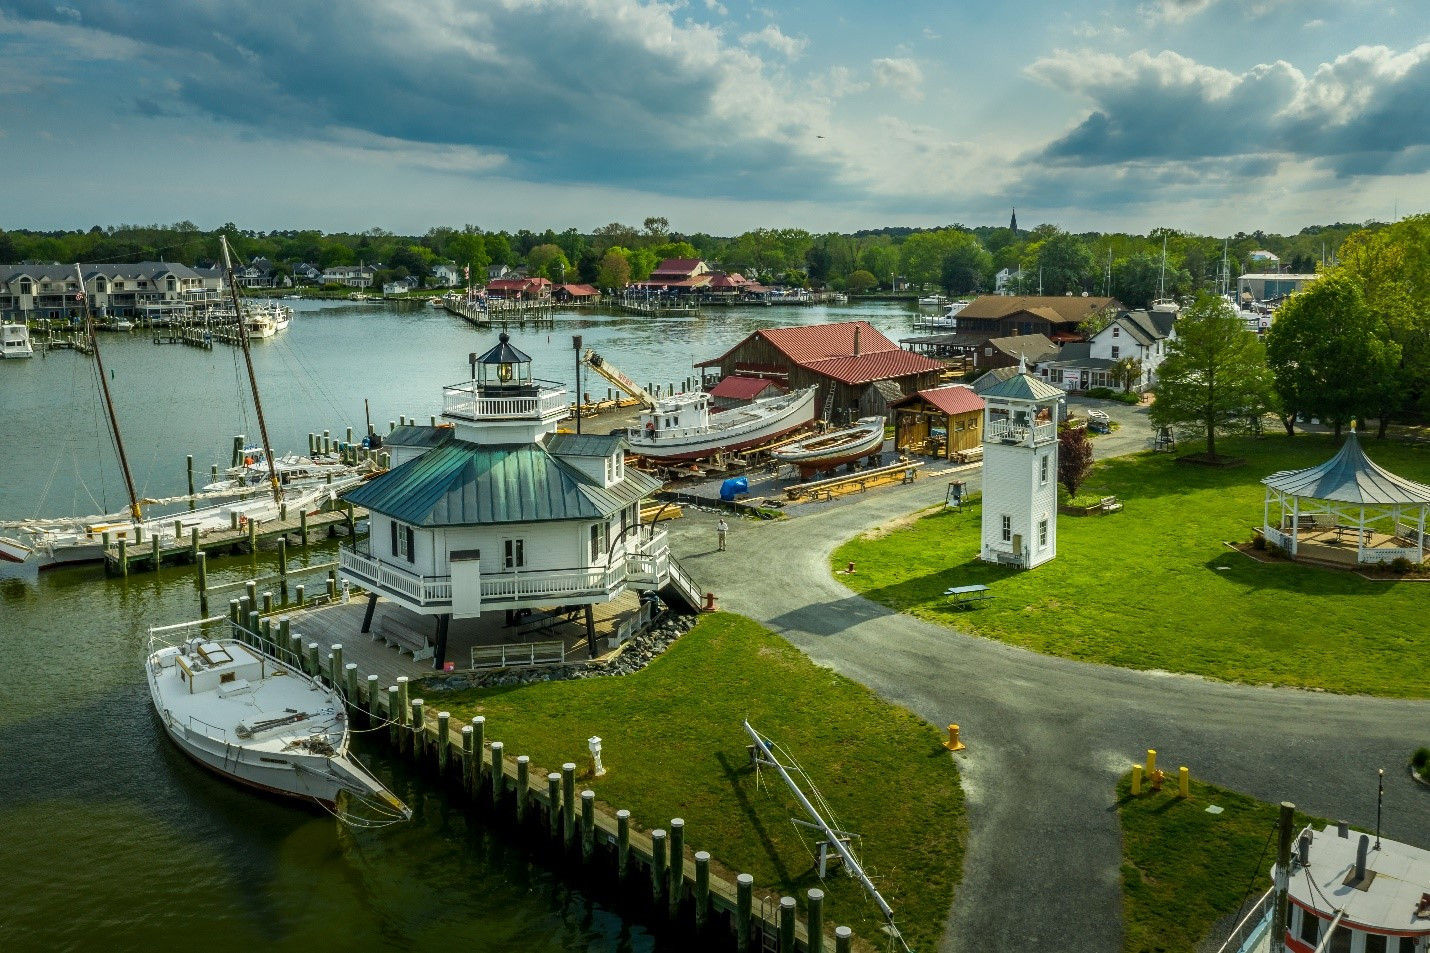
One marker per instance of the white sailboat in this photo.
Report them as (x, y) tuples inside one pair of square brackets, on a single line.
[(823, 452), (242, 710), (681, 427)]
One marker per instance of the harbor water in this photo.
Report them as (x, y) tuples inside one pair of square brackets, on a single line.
[(109, 838)]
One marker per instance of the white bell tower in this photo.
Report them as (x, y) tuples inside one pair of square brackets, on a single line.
[(1020, 471)]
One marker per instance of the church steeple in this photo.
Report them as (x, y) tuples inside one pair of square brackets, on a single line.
[(1013, 225)]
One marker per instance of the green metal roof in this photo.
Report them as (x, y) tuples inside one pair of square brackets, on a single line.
[(1351, 477), (463, 484), (417, 435), (584, 445), (1024, 387)]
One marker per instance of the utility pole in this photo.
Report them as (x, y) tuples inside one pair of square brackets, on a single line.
[(576, 346)]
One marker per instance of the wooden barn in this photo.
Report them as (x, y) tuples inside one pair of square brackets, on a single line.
[(942, 422), (858, 371)]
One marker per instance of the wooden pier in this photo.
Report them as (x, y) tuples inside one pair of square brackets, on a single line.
[(539, 311), (652, 307), (184, 544), (656, 870)]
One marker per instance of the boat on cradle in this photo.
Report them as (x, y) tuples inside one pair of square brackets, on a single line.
[(15, 341), (251, 715), (826, 451), (682, 427)]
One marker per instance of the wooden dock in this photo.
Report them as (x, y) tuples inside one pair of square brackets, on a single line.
[(642, 306), (180, 544), (539, 311)]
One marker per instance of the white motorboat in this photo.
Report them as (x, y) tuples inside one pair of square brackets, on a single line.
[(259, 324), (948, 321), (825, 451), (15, 341), (932, 301), (248, 714), (682, 427)]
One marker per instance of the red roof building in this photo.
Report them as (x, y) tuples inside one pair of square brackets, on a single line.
[(519, 288), (861, 368), (737, 391), (576, 293)]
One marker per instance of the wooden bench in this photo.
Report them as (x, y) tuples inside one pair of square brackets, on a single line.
[(1109, 504), (964, 597), (403, 639)]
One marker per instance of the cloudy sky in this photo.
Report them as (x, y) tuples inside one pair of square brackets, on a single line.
[(1212, 115)]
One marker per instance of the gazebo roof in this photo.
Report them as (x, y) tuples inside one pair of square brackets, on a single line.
[(1350, 477)]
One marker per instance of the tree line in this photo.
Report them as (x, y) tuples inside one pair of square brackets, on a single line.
[(956, 259)]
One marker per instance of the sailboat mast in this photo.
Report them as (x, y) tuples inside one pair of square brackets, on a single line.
[(252, 379), (108, 403)]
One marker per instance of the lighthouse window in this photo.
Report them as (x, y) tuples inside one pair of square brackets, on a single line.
[(1045, 469), (514, 553), (1043, 533), (1007, 529)]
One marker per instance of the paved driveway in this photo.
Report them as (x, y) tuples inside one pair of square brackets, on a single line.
[(1048, 737)]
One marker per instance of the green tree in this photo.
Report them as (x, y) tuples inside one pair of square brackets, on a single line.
[(1332, 356), (1138, 280), (882, 261), (860, 282), (469, 250), (548, 261), (499, 249), (614, 271), (967, 268), (1215, 373), (1061, 262), (1126, 372)]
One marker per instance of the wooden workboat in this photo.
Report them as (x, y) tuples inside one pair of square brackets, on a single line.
[(682, 426), (826, 451), (251, 716)]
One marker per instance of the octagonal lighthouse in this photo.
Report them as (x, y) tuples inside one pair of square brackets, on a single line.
[(493, 509)]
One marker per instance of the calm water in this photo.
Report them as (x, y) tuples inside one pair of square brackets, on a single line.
[(109, 838)]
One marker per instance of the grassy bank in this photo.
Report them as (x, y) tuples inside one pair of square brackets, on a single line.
[(674, 746), (1155, 587), (1184, 869)]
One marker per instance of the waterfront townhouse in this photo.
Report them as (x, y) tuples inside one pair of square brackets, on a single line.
[(51, 290)]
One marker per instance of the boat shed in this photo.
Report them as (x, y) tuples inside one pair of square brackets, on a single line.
[(1056, 317), (857, 369), (943, 421), (1346, 510)]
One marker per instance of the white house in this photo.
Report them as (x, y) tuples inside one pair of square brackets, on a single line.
[(447, 275), (1143, 335), (1020, 471), (495, 511)]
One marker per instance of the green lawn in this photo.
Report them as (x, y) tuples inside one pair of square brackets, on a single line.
[(674, 746), (1184, 869), (1154, 586)]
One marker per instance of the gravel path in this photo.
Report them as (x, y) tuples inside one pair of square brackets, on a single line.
[(1048, 737)]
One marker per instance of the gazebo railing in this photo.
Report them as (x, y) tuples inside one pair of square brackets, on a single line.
[(1276, 537)]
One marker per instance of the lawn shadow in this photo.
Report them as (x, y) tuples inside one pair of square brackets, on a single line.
[(735, 774), (928, 589), (1292, 577)]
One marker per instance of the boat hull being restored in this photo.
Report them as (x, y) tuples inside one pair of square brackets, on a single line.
[(736, 429), (828, 450), (258, 721)]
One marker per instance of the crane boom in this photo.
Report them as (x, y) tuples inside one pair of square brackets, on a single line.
[(601, 366)]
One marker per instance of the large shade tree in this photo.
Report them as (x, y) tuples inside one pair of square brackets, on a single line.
[(1331, 355), (1215, 375)]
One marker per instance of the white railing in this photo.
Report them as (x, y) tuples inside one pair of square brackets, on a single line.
[(465, 400), (1253, 926), (1277, 538), (1406, 531), (423, 590), (552, 583), (1385, 555), (1019, 432), (532, 653)]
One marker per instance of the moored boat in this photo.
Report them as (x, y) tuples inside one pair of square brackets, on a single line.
[(826, 451), (248, 714), (15, 341), (682, 427)]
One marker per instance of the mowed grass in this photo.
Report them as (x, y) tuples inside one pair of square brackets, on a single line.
[(1184, 869), (1154, 586), (674, 745)]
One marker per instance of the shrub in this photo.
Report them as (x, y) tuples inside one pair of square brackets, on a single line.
[(1258, 542), (1421, 759), (1401, 565), (1101, 393)]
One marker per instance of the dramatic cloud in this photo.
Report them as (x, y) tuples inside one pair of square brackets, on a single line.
[(1366, 112), (902, 74)]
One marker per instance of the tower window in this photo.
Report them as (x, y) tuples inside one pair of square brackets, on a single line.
[(1007, 529), (1043, 533), (1045, 469)]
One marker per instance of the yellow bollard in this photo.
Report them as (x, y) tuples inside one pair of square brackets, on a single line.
[(953, 744), (1151, 761), (1184, 781), (1136, 779)]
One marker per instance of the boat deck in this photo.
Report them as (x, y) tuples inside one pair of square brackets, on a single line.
[(341, 623)]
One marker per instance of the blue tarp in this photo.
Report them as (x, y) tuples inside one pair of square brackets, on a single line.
[(734, 487)]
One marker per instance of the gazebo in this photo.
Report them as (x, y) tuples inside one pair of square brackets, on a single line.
[(1347, 505)]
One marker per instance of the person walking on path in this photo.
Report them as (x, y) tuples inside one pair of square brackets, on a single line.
[(721, 528)]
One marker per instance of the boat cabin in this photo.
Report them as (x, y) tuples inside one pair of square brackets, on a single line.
[(676, 415), (227, 668), (1350, 893)]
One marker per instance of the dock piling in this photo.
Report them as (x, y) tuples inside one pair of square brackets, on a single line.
[(373, 701), (233, 610), (553, 801), (677, 863), (787, 912), (523, 785), (124, 557), (313, 668), (194, 550), (744, 904), (154, 543), (657, 864), (350, 682), (298, 596), (623, 844), (444, 739), (588, 823), (394, 713), (568, 801), (702, 887), (419, 729), (283, 568), (498, 772), (469, 758), (843, 940), (303, 526), (267, 602), (479, 745), (201, 580), (815, 920), (335, 665), (190, 460), (250, 588)]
